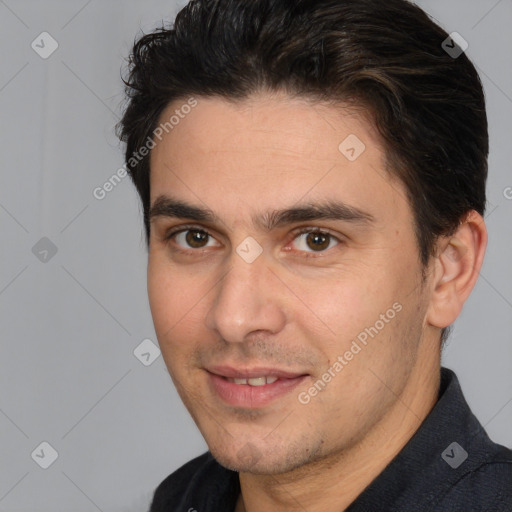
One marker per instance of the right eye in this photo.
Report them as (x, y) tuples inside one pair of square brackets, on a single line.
[(193, 238)]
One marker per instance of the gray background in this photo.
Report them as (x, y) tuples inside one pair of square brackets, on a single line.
[(70, 324)]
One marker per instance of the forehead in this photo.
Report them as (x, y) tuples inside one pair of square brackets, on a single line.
[(266, 121), (268, 150)]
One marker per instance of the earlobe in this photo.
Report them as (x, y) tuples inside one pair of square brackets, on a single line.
[(457, 268)]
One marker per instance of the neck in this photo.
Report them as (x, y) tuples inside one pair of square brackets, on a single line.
[(333, 483)]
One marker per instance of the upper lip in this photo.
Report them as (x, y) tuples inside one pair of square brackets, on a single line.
[(250, 373)]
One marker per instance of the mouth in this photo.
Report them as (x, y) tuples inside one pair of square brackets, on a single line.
[(252, 388), (255, 381)]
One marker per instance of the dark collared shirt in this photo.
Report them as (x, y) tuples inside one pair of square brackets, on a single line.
[(449, 465)]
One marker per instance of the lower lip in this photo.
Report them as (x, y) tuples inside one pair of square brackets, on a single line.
[(251, 397)]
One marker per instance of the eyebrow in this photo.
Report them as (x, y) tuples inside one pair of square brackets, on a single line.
[(165, 206)]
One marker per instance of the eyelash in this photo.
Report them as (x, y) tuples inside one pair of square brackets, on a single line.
[(314, 254), (300, 231)]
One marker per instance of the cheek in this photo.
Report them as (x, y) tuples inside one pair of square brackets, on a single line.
[(162, 296), (341, 307), (365, 311), (179, 301), (171, 300)]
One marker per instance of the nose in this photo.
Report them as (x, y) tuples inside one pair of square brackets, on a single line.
[(246, 300)]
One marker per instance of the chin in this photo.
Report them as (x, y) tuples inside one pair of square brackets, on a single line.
[(266, 460)]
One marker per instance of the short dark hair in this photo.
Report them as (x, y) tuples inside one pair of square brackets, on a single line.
[(384, 56)]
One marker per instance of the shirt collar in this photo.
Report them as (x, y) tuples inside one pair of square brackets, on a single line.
[(425, 468)]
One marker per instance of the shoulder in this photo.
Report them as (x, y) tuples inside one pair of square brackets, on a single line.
[(180, 489), (487, 487)]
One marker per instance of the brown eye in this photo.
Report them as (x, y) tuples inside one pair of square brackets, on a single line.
[(194, 239), (315, 241), (318, 241)]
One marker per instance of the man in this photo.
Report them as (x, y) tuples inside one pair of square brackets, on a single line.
[(312, 175)]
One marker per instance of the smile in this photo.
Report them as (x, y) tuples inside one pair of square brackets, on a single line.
[(252, 389), (255, 381)]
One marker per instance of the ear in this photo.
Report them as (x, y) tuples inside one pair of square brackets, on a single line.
[(456, 269)]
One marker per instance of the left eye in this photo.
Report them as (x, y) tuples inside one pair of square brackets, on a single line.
[(315, 241)]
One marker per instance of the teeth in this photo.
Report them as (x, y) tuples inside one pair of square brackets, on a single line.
[(256, 381)]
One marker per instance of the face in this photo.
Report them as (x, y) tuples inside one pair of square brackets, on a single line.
[(283, 276)]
